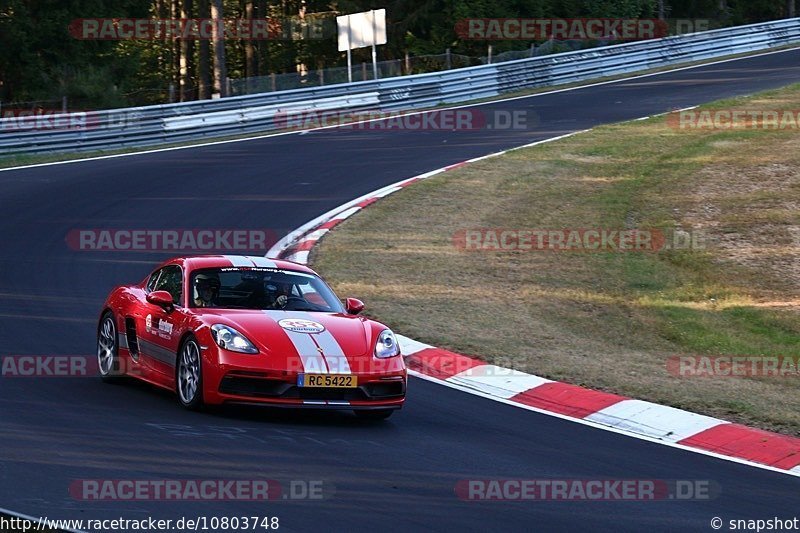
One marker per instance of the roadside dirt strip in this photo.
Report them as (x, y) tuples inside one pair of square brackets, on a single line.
[(635, 417)]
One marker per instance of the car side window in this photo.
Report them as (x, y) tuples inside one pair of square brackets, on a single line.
[(151, 283), (170, 280)]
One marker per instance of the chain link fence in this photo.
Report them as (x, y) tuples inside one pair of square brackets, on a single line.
[(396, 67)]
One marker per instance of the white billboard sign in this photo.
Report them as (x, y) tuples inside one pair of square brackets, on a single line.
[(361, 30)]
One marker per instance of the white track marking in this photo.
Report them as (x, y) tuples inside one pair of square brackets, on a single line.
[(656, 420), (497, 381)]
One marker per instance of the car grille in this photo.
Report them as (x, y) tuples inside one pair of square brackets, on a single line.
[(385, 389), (271, 388), (256, 387)]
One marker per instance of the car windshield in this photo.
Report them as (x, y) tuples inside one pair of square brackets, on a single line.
[(261, 288)]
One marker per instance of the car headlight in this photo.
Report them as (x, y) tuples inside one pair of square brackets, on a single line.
[(230, 339), (387, 345)]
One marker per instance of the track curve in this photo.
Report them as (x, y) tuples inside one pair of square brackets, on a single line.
[(401, 473)]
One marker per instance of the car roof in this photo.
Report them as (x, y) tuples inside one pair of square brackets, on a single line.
[(191, 263)]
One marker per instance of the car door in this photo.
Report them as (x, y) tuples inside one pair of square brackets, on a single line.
[(161, 329)]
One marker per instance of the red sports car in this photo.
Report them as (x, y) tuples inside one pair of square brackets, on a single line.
[(236, 329)]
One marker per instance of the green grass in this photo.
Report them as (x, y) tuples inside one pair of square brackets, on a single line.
[(608, 320)]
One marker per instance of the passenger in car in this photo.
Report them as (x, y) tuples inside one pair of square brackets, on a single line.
[(206, 290)]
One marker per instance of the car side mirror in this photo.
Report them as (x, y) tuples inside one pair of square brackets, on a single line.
[(161, 299), (354, 306)]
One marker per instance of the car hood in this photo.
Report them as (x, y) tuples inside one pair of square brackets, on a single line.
[(300, 333)]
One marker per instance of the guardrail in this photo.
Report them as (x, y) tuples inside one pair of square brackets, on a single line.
[(191, 121)]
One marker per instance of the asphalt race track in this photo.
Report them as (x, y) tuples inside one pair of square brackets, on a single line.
[(398, 475)]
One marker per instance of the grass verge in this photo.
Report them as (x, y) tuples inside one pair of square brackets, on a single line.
[(606, 320)]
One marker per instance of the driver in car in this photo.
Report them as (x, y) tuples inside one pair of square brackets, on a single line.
[(206, 290), (278, 293)]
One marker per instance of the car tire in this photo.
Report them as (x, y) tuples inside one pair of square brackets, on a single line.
[(108, 349), (189, 375), (374, 414)]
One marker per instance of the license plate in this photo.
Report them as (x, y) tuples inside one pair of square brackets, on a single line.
[(327, 381)]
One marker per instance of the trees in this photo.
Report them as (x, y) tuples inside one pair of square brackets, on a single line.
[(204, 56), (187, 56), (41, 61), (218, 45)]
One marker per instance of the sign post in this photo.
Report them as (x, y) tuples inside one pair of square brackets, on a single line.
[(374, 37), (349, 53)]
